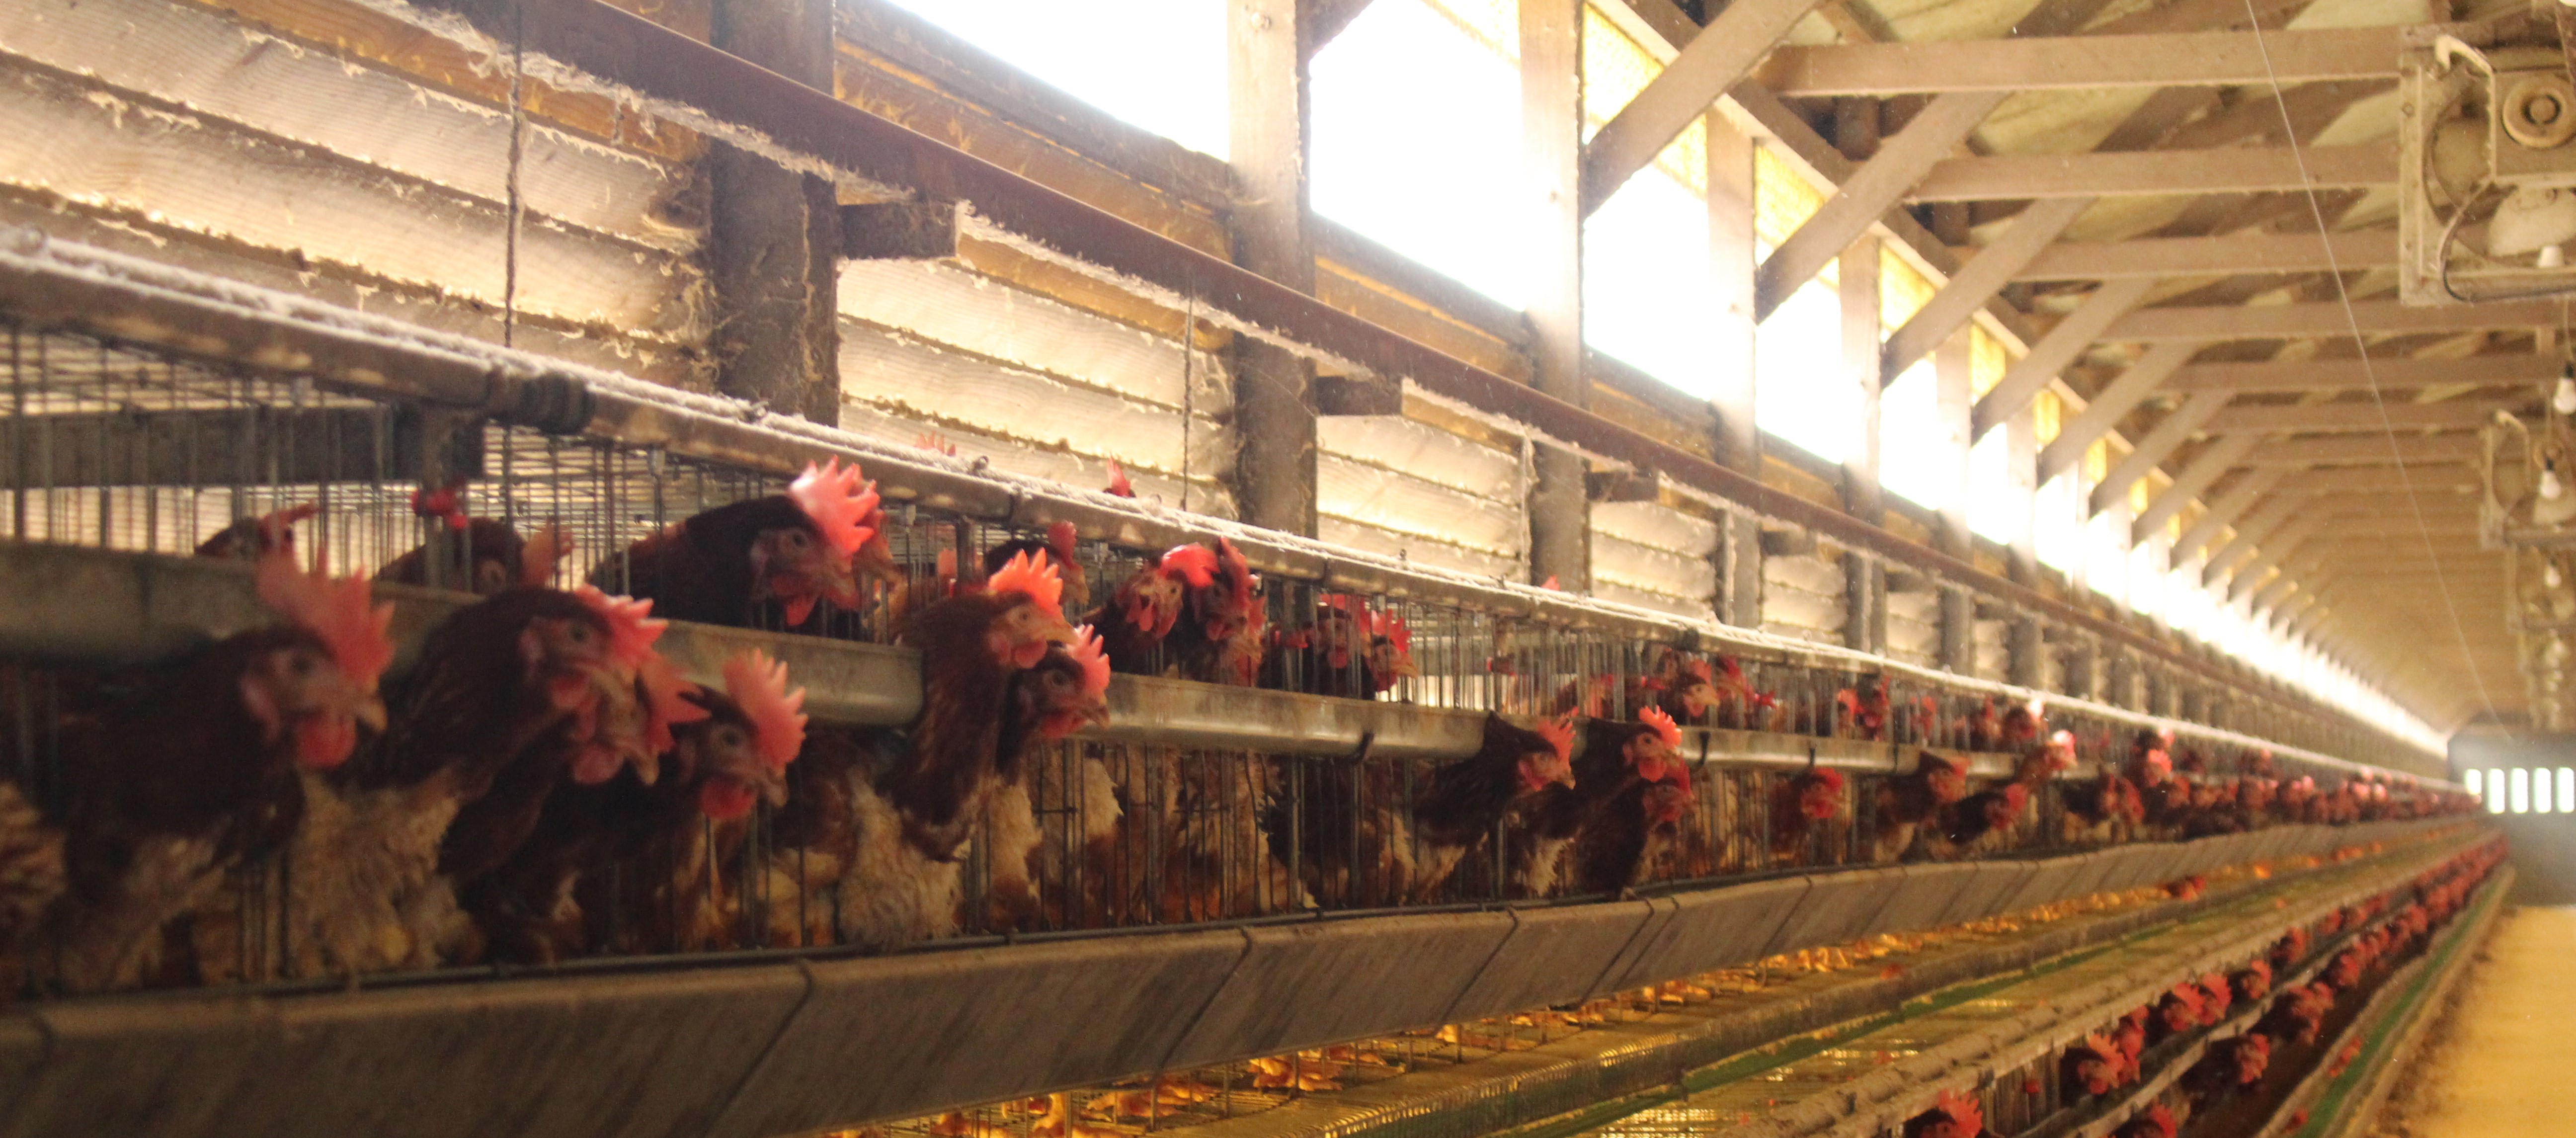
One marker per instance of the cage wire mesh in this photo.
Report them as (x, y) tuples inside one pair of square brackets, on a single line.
[(110, 447)]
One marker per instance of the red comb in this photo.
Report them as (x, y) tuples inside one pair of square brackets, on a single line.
[(339, 612), (666, 705), (631, 627), (2016, 797), (1025, 573), (1095, 662), (759, 685), (1831, 779), (441, 504), (1966, 1116), (1060, 538), (1394, 629), (538, 559), (1559, 733), (1118, 483), (839, 504), (1194, 564), (1700, 669), (1664, 726)]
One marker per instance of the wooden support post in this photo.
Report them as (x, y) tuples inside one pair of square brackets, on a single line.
[(1551, 33), (1954, 396), (1864, 579), (1738, 442), (1274, 389), (773, 235), (2026, 654)]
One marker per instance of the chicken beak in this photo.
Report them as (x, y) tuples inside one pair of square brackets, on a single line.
[(371, 711)]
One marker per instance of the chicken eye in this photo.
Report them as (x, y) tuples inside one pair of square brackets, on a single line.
[(797, 539), (730, 737)]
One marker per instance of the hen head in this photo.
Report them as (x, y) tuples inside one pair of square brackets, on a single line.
[(1151, 600), (1667, 802), (297, 690), (1553, 764), (1953, 1115), (752, 732), (1656, 753), (815, 555), (1390, 651), (2097, 1064), (321, 684), (1032, 617), (1820, 794), (2006, 807), (1948, 781), (1232, 606), (1696, 686), (1068, 688)]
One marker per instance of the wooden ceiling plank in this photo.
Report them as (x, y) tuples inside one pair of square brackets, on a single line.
[(2092, 175), (2360, 416), (2197, 476), (2222, 513), (2297, 321), (2158, 444), (2349, 375), (2024, 380), (1715, 59), (2230, 255), (2363, 450), (1872, 190), (2183, 59), (1978, 281), (2111, 404)]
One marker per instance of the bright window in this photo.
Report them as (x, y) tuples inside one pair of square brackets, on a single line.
[(1801, 391), (2057, 523), (1996, 510), (1915, 456), (1646, 292), (1159, 64)]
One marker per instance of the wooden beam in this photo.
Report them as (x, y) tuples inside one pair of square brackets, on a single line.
[(773, 235), (1738, 441), (1551, 39), (2293, 321), (2430, 478), (1872, 190), (1318, 21), (1979, 280), (1714, 60), (1274, 389), (2343, 375), (2280, 546), (1858, 277), (2364, 415), (2112, 404), (2188, 59), (2247, 530), (2028, 376), (2365, 451), (2091, 175), (2196, 479), (2232, 255), (2253, 533), (2156, 446)]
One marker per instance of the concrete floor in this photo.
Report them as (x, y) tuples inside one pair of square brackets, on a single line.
[(2503, 1063)]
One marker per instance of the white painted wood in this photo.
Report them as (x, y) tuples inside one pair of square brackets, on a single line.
[(1657, 526), (1376, 496), (2077, 62), (1647, 599), (1418, 550), (1423, 451), (1994, 657), (192, 56), (1085, 472), (920, 381), (1655, 570), (101, 148), (1814, 574), (929, 300)]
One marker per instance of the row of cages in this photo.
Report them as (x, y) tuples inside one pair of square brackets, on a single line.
[(112, 448), (2227, 1045)]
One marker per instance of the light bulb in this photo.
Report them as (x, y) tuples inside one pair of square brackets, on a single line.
[(2563, 400), (2551, 256), (2550, 575), (2549, 485)]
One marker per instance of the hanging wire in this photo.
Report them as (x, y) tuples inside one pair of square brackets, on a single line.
[(2369, 371)]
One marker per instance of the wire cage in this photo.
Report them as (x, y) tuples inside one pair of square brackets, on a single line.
[(114, 447)]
